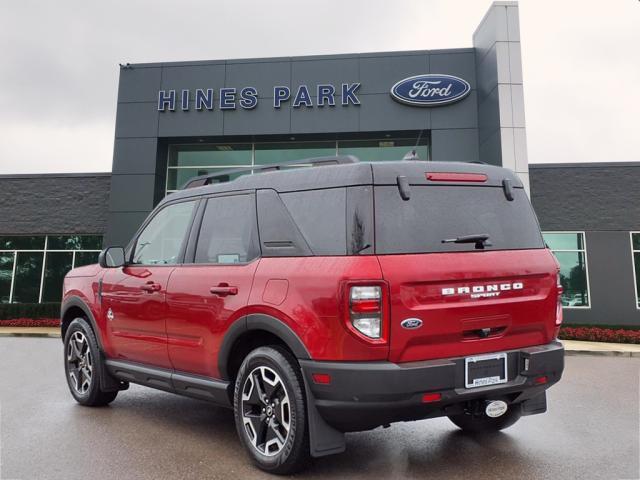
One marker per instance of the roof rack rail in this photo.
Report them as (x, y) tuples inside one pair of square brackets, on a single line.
[(223, 176)]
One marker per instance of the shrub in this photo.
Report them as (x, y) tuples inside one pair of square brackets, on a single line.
[(10, 311), (29, 322), (599, 334)]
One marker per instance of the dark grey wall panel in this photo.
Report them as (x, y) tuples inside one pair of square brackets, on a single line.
[(380, 73), (199, 76), (613, 300), (139, 84), (461, 65), (487, 72), (312, 72), (379, 112), (489, 117), (137, 120), (191, 123), (261, 75), (132, 192), (325, 119), (135, 155), (454, 145), (65, 203), (490, 151), (127, 224), (587, 196), (462, 114), (263, 119)]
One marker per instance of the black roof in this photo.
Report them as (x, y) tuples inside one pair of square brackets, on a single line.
[(350, 174)]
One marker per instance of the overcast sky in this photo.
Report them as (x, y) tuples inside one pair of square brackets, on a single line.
[(59, 64)]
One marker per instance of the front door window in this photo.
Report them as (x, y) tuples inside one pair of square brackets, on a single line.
[(161, 240)]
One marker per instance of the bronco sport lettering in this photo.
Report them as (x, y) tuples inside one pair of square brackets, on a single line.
[(477, 291)]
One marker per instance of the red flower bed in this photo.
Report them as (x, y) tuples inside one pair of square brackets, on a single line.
[(598, 334), (29, 322)]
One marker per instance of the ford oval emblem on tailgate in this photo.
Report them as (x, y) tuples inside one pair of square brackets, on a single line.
[(411, 323)]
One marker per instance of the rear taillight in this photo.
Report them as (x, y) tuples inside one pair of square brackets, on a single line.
[(559, 305), (366, 311)]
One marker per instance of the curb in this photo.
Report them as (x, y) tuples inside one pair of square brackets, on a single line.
[(601, 353), (32, 335)]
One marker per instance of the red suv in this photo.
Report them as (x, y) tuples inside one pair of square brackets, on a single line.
[(318, 301)]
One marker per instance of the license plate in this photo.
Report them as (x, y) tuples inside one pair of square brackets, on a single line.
[(485, 370)]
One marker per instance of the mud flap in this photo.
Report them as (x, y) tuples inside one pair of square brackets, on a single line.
[(108, 383), (535, 405), (323, 438)]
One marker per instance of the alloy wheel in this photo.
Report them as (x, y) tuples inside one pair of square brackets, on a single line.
[(266, 411), (79, 363)]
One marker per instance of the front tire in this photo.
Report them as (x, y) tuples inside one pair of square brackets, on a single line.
[(480, 422), (270, 411), (82, 365)]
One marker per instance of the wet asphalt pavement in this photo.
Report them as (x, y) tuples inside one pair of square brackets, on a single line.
[(590, 431)]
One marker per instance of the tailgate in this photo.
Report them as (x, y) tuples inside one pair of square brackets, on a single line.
[(469, 302)]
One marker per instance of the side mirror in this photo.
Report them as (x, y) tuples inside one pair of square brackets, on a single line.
[(111, 257)]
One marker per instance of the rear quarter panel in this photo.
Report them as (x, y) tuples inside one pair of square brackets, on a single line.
[(306, 294)]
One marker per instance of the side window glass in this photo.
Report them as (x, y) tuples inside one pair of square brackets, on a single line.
[(321, 217), (161, 240), (228, 233)]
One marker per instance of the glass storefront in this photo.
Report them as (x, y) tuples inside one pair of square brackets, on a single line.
[(32, 268), (188, 161), (569, 249), (635, 249)]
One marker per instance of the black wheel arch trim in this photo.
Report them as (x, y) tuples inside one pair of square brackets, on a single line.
[(258, 321), (75, 301)]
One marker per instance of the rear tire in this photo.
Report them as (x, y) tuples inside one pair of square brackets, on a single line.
[(82, 365), (481, 423), (270, 411)]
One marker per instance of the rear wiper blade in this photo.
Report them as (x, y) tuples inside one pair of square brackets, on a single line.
[(481, 240)]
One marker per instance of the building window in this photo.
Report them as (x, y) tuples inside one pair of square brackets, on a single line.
[(379, 150), (32, 268), (189, 161), (635, 249), (269, 153), (570, 250)]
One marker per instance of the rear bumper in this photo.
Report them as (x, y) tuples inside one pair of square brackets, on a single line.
[(364, 395)]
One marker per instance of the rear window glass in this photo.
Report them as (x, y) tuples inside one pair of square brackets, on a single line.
[(434, 213)]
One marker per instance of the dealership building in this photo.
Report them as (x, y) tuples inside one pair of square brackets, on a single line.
[(179, 120)]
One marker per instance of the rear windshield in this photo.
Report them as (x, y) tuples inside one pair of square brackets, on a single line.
[(435, 212)]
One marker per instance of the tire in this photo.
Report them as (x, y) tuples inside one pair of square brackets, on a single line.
[(82, 365), (482, 423), (268, 398)]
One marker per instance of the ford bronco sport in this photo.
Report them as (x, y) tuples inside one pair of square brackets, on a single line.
[(323, 300)]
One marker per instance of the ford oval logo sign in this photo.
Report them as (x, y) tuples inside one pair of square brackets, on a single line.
[(411, 323), (430, 90)]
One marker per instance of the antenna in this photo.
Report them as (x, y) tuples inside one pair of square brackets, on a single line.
[(413, 153)]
